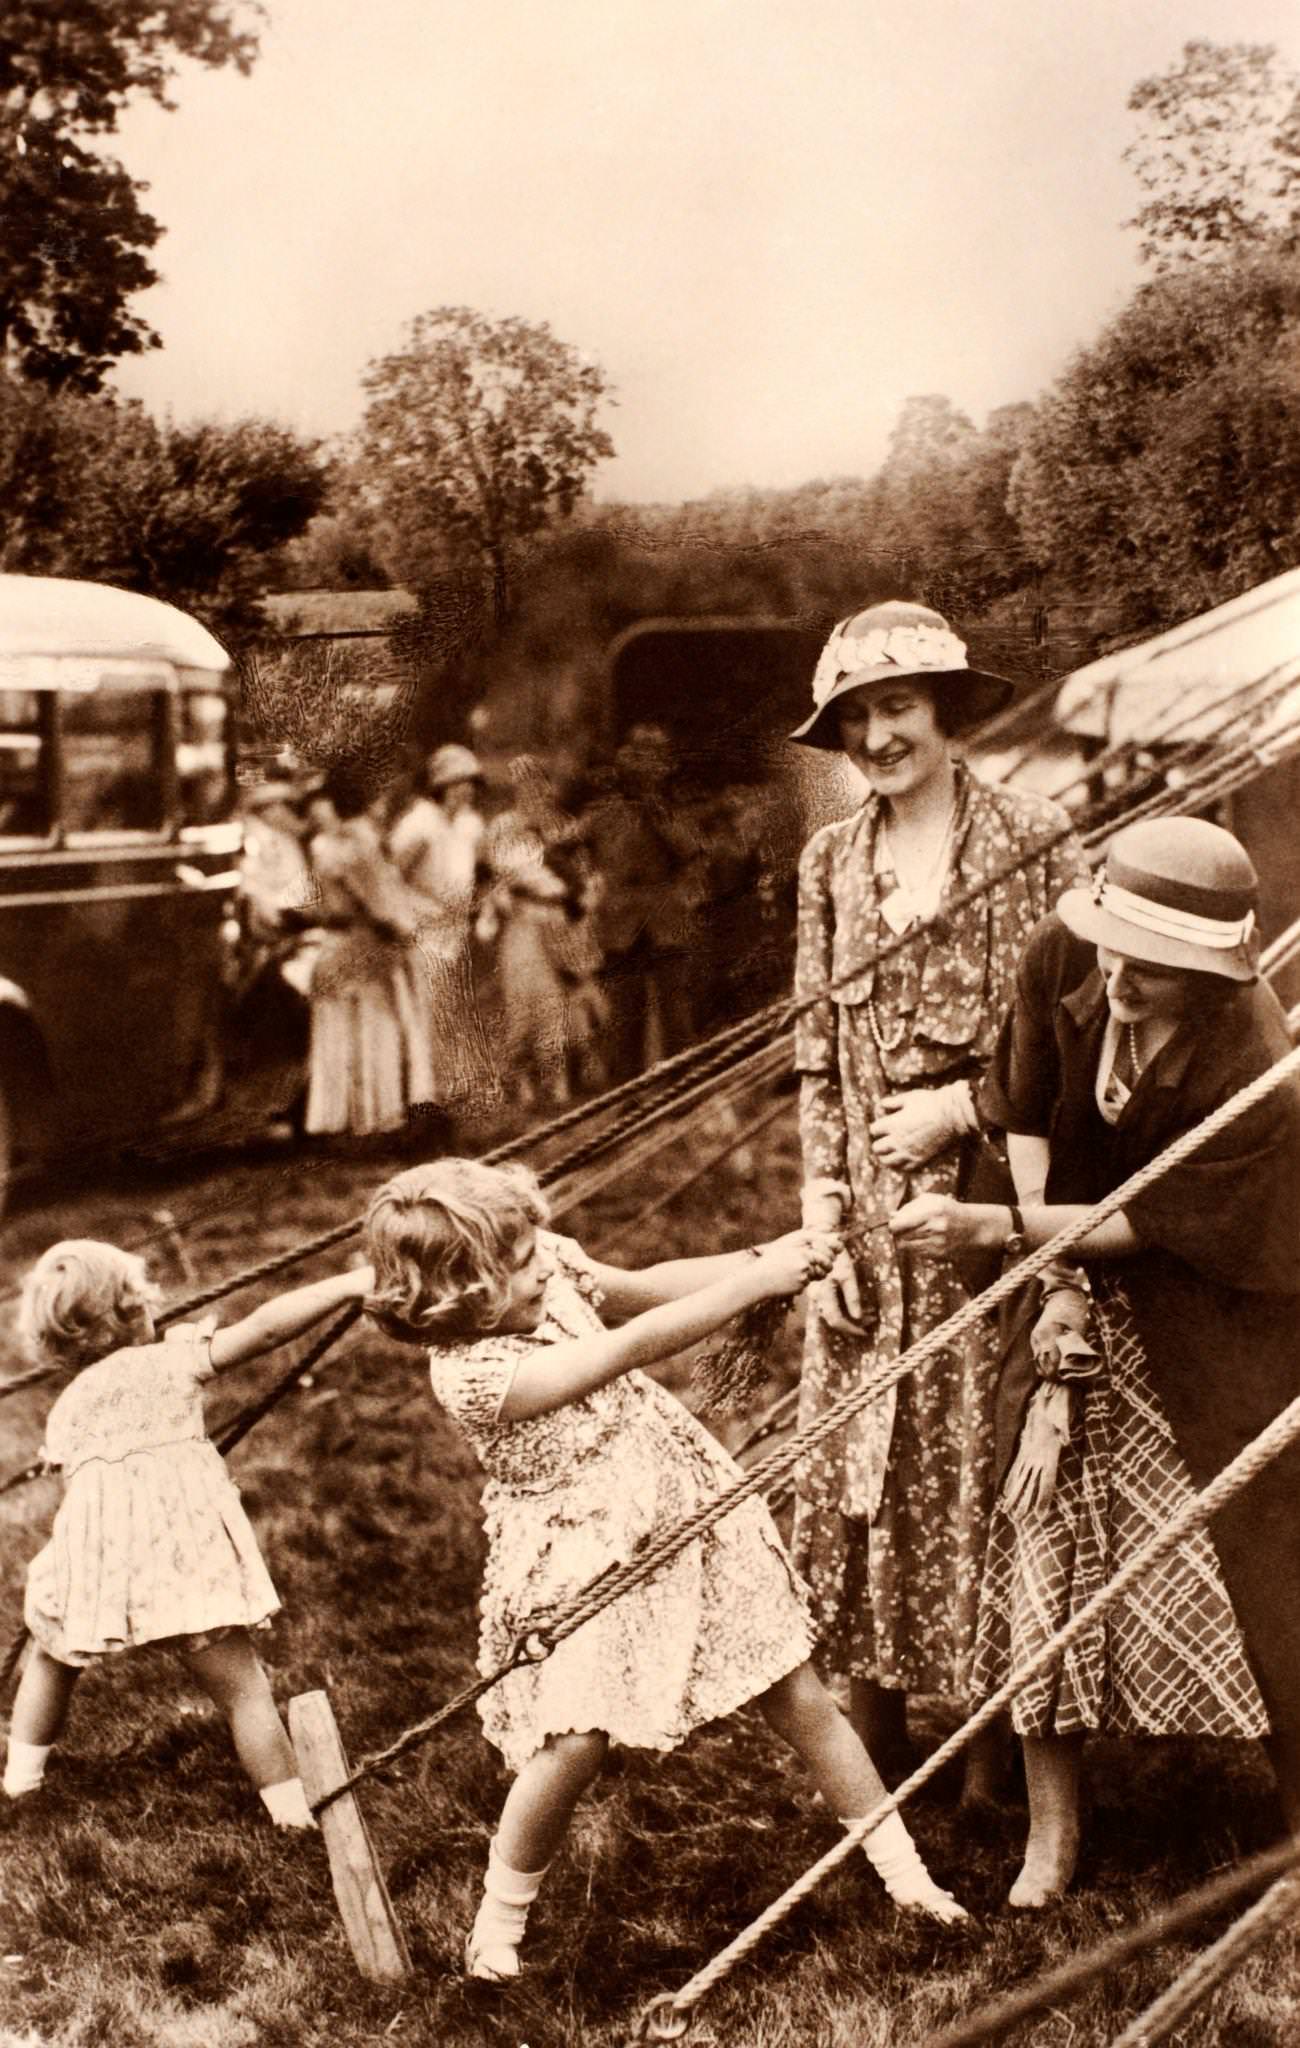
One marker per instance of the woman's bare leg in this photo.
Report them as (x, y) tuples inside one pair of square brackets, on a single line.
[(1052, 1765)]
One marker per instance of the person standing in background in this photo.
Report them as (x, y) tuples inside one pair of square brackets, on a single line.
[(370, 1061), (649, 863), (435, 843)]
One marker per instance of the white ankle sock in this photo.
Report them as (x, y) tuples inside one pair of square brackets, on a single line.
[(25, 1766), (492, 1948), (894, 1855), (287, 1804)]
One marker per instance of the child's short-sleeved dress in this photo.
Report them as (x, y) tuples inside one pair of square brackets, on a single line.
[(573, 1492), (150, 1540)]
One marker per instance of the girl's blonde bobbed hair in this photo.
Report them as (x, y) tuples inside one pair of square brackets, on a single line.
[(81, 1300), (441, 1239)]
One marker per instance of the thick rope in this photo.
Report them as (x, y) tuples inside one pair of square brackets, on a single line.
[(715, 1053), (1057, 1986), (702, 1060), (1277, 1909), (665, 2018), (541, 1638), (753, 1129), (238, 1428)]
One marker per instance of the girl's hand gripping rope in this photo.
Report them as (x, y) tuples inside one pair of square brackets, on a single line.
[(729, 1378)]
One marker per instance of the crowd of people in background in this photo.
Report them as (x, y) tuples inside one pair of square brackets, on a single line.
[(459, 943)]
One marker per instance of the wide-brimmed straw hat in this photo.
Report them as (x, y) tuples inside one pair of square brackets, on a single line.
[(887, 643), (1178, 892), (453, 763)]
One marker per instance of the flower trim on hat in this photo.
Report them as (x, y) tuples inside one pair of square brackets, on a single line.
[(907, 648)]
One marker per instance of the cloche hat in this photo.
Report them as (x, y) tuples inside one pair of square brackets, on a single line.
[(1178, 892), (887, 642), (453, 763)]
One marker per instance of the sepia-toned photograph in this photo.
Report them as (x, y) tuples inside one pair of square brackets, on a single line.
[(649, 1024)]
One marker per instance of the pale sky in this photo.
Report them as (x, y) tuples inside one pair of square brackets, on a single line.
[(769, 220)]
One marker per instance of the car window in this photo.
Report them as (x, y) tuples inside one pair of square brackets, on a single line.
[(113, 761), (202, 762), (25, 811)]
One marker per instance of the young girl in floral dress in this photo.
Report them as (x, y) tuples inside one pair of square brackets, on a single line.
[(150, 1544), (587, 1461)]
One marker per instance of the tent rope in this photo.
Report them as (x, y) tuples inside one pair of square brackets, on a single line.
[(538, 1639), (1279, 1907), (990, 2022), (666, 2018)]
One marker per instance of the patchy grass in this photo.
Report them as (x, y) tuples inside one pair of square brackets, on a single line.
[(147, 1903)]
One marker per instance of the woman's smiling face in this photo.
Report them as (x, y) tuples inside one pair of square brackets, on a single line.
[(891, 733), (1139, 992)]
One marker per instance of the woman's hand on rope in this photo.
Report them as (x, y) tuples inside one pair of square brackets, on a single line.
[(914, 1126), (787, 1264), (935, 1226)]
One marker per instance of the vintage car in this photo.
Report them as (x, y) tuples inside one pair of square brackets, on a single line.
[(118, 866)]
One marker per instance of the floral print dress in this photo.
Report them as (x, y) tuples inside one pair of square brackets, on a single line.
[(573, 1492), (151, 1541), (892, 1516)]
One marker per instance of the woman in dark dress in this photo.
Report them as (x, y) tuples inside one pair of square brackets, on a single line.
[(1138, 1012)]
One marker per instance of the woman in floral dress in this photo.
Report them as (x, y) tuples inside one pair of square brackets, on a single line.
[(892, 1515)]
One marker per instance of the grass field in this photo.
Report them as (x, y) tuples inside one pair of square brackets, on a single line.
[(147, 1903)]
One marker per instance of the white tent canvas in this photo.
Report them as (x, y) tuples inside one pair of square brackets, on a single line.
[(1178, 681)]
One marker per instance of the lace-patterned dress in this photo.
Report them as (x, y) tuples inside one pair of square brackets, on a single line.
[(573, 1492), (150, 1541)]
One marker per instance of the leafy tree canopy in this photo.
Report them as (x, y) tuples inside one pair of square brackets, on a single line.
[(75, 233), (193, 514), (1165, 463), (477, 435), (1218, 155)]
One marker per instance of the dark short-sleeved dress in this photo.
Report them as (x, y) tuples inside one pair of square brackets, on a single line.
[(892, 1515), (1199, 1331), (573, 1492)]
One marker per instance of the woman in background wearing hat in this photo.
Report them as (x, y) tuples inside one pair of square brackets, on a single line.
[(892, 1515), (1140, 1372), (435, 844)]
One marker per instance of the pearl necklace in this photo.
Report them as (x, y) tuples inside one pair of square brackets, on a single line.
[(1134, 1061), (889, 1042)]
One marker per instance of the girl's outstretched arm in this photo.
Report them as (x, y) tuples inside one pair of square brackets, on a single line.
[(631, 1292), (559, 1373), (287, 1316)]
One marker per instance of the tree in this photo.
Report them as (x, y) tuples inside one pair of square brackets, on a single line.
[(75, 233), (1219, 153), (1164, 466), (195, 514), (477, 435)]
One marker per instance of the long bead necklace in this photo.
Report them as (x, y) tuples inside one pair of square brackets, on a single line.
[(1134, 1061)]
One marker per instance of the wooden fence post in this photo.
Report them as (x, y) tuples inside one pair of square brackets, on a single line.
[(368, 1917)]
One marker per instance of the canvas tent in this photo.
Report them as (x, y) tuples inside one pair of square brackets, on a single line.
[(1173, 688)]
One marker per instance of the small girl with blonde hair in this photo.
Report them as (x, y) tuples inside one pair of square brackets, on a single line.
[(588, 1460), (150, 1544)]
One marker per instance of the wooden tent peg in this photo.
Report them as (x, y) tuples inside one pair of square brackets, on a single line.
[(368, 1918)]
